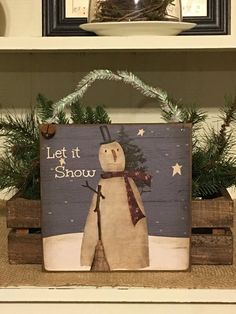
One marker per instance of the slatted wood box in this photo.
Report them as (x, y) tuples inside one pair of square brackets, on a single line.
[(212, 238), (24, 238)]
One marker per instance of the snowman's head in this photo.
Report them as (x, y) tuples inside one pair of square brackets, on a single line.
[(112, 157)]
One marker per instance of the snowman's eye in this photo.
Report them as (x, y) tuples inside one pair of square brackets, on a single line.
[(105, 150), (117, 149)]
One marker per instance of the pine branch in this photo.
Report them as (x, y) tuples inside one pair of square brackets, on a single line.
[(61, 118), (44, 108), (21, 153), (101, 116), (19, 174), (82, 115), (192, 114), (214, 164), (89, 116), (15, 126), (228, 111), (77, 113), (228, 116)]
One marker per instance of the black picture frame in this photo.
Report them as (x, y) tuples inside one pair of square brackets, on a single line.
[(217, 21), (55, 23)]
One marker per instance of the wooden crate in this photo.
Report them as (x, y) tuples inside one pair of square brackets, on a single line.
[(212, 247), (212, 239), (22, 213), (24, 247), (214, 213), (24, 239)]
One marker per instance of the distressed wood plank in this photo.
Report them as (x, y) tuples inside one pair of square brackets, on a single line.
[(24, 249), (22, 213), (218, 212), (211, 249)]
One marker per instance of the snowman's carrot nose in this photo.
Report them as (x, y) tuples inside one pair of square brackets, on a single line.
[(114, 155)]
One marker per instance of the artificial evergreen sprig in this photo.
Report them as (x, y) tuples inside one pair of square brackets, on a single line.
[(228, 117), (214, 160), (122, 76), (83, 115), (19, 162)]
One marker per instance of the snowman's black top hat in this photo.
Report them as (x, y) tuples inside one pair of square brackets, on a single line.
[(106, 135)]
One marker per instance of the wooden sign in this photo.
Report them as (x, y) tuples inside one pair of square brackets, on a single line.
[(116, 197)]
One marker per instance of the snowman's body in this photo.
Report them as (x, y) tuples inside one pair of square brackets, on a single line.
[(125, 244)]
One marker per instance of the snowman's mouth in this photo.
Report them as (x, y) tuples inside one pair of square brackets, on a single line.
[(114, 155)]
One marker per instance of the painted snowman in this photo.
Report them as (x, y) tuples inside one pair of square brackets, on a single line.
[(124, 231)]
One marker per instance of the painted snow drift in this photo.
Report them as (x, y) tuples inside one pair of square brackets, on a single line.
[(116, 197)]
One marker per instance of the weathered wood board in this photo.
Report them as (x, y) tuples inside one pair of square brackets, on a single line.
[(140, 216), (24, 248), (212, 249), (23, 213), (213, 213)]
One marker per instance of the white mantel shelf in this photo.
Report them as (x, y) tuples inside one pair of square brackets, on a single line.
[(141, 43), (116, 295)]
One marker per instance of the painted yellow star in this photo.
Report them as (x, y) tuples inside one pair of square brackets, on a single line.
[(141, 132), (176, 169), (62, 161)]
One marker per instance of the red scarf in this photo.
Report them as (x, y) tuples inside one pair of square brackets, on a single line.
[(135, 211)]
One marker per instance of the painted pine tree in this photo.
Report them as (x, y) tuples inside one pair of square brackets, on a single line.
[(134, 157)]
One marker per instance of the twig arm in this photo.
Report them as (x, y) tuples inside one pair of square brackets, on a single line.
[(92, 189)]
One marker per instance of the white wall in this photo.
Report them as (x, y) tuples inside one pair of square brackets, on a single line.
[(20, 17)]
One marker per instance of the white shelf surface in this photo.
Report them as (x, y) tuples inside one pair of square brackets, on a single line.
[(90, 43), (116, 295)]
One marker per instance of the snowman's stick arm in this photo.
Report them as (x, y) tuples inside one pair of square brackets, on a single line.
[(97, 210), (89, 187)]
